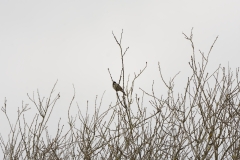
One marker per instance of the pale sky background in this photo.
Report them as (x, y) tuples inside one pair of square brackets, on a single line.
[(42, 41)]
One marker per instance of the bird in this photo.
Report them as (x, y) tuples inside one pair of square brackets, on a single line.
[(117, 87)]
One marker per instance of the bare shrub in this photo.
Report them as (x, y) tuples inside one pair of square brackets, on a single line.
[(201, 123)]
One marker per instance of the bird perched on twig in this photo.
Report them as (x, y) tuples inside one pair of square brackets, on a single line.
[(117, 87)]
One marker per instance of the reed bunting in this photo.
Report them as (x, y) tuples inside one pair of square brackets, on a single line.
[(117, 87)]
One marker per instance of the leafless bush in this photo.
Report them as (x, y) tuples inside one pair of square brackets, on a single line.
[(201, 123)]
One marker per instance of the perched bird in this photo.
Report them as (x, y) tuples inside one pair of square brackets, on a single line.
[(117, 87)]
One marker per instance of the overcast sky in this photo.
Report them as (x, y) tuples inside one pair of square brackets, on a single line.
[(71, 41)]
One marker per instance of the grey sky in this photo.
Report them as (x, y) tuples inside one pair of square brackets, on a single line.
[(42, 41)]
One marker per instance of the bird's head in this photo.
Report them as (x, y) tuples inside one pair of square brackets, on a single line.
[(114, 82)]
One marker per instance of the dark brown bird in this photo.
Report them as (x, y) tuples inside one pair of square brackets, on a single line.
[(117, 87)]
